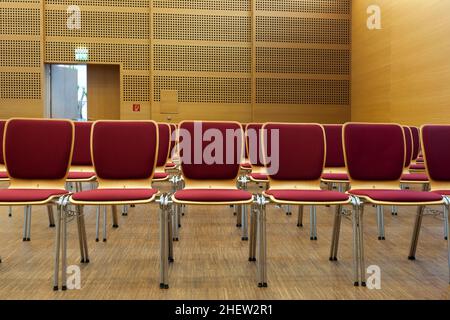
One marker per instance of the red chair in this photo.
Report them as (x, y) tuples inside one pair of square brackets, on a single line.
[(171, 165), (211, 181), (297, 180), (434, 141), (164, 147), (417, 164), (334, 171), (375, 159), (3, 173), (121, 180), (37, 156)]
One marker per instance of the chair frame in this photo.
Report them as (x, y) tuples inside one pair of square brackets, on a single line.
[(361, 201), (258, 231), (112, 184), (210, 183)]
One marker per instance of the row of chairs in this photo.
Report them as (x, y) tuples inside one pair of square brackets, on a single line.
[(125, 158)]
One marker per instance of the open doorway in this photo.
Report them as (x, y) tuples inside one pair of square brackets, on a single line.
[(83, 92), (67, 96)]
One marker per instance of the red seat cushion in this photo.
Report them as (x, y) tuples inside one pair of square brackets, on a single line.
[(29, 195), (246, 165), (213, 195), (417, 166), (397, 195), (160, 176), (75, 175), (414, 177), (442, 192), (259, 176), (308, 195), (4, 175), (114, 195), (170, 165), (419, 159), (335, 176)]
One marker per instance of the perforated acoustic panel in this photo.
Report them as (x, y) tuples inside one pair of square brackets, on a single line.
[(232, 5), (118, 25), (302, 60), (202, 58), (103, 3), (20, 57), (20, 85), (17, 53), (201, 27), (136, 88), (20, 21), (302, 30), (205, 89), (307, 6), (303, 91)]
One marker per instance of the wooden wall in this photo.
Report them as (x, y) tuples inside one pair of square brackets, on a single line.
[(401, 73), (245, 60)]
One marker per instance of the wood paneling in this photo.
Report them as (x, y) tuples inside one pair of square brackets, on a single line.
[(401, 73), (240, 60), (103, 83)]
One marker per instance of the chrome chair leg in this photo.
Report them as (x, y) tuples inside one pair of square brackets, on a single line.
[(356, 269), (57, 249), (124, 210), (362, 265), (313, 223), (10, 211), (416, 232), (288, 210), (300, 217), (80, 235), (176, 221), (244, 223), (29, 224), (447, 224), (64, 250), (163, 231), (394, 210), (105, 217), (25, 223), (238, 216), (171, 232), (83, 233), (380, 219), (115, 217), (262, 244), (97, 224), (252, 242), (51, 218), (335, 235)]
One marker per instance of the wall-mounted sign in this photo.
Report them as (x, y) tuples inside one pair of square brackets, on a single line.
[(136, 107), (81, 54)]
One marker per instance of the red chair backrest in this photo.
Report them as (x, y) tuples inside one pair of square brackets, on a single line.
[(374, 152), (82, 144), (124, 150), (435, 143), (38, 149), (163, 144), (408, 145), (416, 142), (2, 135), (173, 138), (253, 143), (334, 152), (195, 166), (301, 150)]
